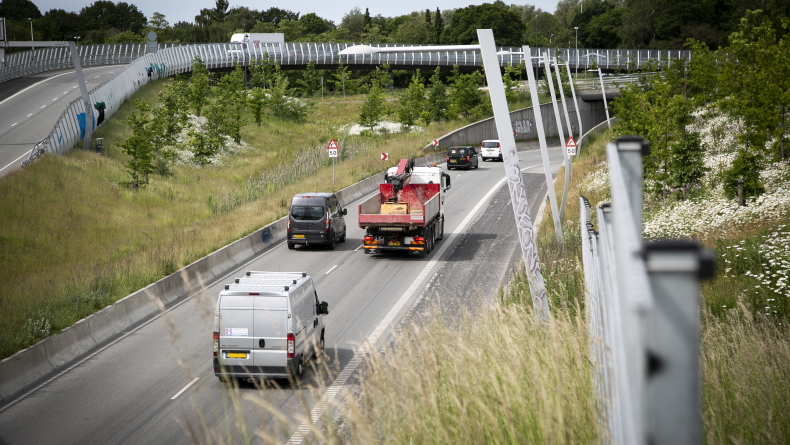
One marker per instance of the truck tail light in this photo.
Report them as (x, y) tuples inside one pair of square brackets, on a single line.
[(290, 346), (216, 343), (419, 238)]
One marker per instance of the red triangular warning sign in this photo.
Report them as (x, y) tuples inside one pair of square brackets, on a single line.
[(571, 142), (332, 144)]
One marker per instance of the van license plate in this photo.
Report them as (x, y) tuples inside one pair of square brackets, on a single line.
[(298, 236), (237, 355), (453, 161)]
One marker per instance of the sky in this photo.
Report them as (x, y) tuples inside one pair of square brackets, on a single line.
[(186, 10)]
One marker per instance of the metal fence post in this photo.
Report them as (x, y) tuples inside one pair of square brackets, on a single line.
[(673, 414)]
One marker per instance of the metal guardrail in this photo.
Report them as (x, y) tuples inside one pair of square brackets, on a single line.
[(300, 53), (642, 305)]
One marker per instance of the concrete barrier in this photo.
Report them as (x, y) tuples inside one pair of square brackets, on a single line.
[(108, 323), (23, 369), (74, 341), (31, 365)]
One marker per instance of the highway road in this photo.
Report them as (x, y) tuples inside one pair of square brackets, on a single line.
[(156, 383), (30, 106)]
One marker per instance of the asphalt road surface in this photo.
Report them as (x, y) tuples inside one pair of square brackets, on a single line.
[(31, 105), (156, 384)]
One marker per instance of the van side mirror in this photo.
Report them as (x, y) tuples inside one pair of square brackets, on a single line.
[(323, 308), (345, 212)]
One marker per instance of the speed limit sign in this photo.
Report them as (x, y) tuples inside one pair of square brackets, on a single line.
[(332, 148)]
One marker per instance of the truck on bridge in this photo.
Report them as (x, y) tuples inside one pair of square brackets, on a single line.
[(407, 214)]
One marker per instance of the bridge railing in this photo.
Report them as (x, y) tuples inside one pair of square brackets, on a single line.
[(642, 305), (300, 53)]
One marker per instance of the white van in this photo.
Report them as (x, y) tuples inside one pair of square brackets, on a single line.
[(267, 325), (491, 149)]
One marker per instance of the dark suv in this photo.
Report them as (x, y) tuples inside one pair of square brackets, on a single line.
[(316, 218), (462, 157)]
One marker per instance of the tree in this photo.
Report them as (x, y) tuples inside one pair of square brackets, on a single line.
[(220, 11), (200, 89), (374, 107), (508, 27), (313, 24), (138, 146), (437, 100), (232, 99), (263, 71), (103, 15), (310, 81), (19, 10), (158, 21), (412, 102), (255, 102), (438, 25), (466, 99)]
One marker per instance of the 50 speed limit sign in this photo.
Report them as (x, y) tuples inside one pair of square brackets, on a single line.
[(332, 148)]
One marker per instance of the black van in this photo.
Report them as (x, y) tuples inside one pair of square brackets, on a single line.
[(316, 218), (458, 157)]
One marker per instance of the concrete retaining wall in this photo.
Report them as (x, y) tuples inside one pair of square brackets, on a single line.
[(30, 366), (523, 123)]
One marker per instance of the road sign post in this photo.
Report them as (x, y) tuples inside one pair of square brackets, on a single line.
[(332, 149)]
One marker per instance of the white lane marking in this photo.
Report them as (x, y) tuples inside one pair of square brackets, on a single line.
[(359, 247), (29, 114), (53, 100), (185, 388), (27, 153), (14, 123), (43, 106), (330, 270), (97, 77), (334, 389)]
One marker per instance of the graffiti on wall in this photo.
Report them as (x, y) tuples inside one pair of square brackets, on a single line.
[(523, 126)]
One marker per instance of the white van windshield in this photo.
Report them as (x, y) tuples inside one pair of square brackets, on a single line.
[(490, 144), (307, 213)]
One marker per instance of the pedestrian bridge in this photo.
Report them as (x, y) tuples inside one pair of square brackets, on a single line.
[(296, 55)]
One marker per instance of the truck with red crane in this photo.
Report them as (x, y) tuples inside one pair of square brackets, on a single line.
[(407, 214)]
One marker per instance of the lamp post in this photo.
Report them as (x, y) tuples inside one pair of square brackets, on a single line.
[(603, 93), (77, 39), (576, 28), (536, 32), (31, 33)]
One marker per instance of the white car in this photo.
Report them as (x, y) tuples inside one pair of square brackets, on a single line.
[(490, 149)]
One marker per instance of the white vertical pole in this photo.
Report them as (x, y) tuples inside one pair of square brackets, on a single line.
[(86, 100), (575, 104), (518, 194), (558, 118), (544, 151)]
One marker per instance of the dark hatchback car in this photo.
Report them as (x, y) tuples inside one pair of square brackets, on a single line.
[(316, 218), (462, 157)]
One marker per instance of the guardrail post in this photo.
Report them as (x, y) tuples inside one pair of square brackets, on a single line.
[(673, 411)]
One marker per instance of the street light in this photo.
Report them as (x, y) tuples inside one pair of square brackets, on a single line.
[(31, 33), (77, 39), (577, 49), (551, 37), (536, 32), (603, 93)]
